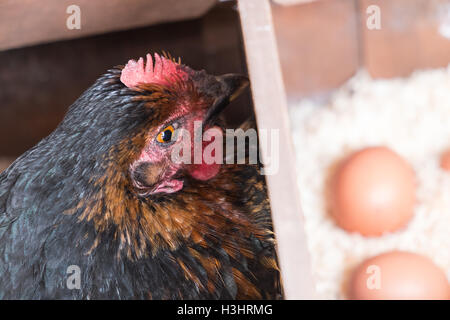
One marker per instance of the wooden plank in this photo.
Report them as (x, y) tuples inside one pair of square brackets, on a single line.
[(318, 45), (291, 2), (271, 114), (412, 36), (27, 22)]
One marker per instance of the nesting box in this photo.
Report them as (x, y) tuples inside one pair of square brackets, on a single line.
[(307, 50)]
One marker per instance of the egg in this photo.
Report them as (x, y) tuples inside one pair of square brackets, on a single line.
[(398, 275), (372, 192), (445, 160)]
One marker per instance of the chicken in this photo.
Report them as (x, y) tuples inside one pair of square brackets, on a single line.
[(103, 195)]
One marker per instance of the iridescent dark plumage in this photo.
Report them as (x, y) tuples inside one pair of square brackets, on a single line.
[(69, 201)]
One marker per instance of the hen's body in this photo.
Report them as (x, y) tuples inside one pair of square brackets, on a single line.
[(68, 201)]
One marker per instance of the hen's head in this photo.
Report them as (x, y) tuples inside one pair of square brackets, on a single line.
[(177, 102)]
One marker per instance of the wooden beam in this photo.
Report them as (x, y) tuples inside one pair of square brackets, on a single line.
[(305, 33), (412, 36), (272, 114), (28, 22)]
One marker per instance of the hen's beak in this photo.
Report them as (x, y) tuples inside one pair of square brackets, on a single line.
[(232, 85)]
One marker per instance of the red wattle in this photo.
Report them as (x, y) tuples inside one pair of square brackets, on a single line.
[(204, 171)]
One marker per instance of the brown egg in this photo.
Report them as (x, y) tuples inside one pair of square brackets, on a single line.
[(399, 275), (445, 160), (372, 192)]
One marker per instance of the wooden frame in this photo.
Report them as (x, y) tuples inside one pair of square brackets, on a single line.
[(272, 114), (286, 60), (28, 22)]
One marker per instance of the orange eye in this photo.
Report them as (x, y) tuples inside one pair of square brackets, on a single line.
[(166, 135)]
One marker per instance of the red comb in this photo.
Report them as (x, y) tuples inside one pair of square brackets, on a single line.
[(161, 72)]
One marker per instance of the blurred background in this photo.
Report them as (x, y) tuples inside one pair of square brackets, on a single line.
[(323, 43)]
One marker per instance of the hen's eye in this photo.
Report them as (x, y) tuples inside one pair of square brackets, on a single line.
[(165, 136)]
